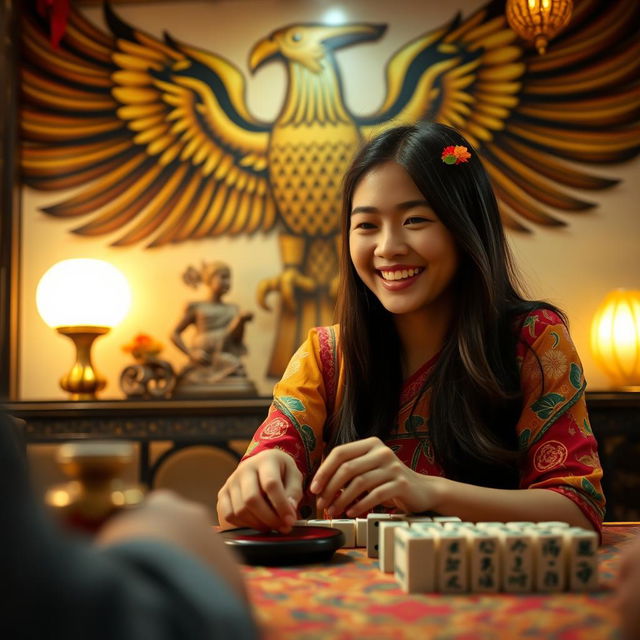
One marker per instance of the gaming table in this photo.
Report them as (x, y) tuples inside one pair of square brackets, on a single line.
[(348, 598)]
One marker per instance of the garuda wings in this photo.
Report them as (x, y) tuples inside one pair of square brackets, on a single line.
[(155, 138)]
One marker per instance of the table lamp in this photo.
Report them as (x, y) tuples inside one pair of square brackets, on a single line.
[(615, 338), (83, 299)]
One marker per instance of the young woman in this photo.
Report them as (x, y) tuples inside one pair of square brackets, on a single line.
[(442, 388)]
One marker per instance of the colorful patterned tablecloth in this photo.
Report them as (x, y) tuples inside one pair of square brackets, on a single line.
[(349, 598)]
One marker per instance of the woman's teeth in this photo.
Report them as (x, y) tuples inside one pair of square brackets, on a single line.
[(400, 274)]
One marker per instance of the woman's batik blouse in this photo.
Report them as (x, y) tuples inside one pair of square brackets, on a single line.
[(560, 451)]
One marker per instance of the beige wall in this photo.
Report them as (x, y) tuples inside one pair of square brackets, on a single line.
[(573, 267)]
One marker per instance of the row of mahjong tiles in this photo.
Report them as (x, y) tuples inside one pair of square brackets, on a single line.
[(465, 556)]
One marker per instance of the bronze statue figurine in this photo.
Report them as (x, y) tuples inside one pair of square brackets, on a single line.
[(215, 367)]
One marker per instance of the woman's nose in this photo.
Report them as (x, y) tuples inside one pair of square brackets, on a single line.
[(391, 242)]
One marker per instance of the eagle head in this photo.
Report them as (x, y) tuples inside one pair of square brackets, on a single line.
[(309, 44)]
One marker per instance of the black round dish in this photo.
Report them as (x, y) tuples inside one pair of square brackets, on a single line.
[(303, 545)]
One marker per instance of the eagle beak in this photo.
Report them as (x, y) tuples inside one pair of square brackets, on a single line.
[(262, 52), (338, 36)]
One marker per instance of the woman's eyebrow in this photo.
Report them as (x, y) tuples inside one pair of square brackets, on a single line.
[(401, 206), (411, 204), (364, 210)]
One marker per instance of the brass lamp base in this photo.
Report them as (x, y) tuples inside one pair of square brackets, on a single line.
[(83, 381)]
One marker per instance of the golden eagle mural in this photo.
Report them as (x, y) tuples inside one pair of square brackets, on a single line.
[(158, 143)]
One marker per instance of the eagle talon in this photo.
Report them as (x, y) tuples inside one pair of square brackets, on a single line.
[(288, 283)]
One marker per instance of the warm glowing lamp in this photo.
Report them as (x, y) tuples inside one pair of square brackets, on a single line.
[(83, 299), (615, 337), (538, 20)]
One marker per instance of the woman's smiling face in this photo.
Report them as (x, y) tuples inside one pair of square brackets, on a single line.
[(398, 246)]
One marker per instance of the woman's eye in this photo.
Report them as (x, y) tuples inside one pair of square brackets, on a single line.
[(416, 220), (364, 225)]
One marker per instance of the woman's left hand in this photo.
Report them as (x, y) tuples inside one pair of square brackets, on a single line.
[(358, 476)]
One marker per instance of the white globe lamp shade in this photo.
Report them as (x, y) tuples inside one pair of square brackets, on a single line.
[(83, 292)]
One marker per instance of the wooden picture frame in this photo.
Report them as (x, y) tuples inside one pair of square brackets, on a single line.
[(9, 202)]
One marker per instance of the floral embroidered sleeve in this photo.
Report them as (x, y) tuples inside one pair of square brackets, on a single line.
[(301, 402), (561, 452)]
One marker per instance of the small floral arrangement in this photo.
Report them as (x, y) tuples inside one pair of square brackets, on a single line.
[(455, 155), (143, 347)]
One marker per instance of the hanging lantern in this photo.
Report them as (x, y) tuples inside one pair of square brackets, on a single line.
[(615, 337), (538, 20)]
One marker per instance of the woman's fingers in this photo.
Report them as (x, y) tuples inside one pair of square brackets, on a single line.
[(348, 472), (362, 483), (255, 503), (293, 485), (272, 483), (341, 465), (380, 494), (375, 455), (225, 512), (263, 493), (240, 516)]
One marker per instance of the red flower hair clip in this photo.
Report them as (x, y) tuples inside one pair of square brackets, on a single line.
[(455, 155)]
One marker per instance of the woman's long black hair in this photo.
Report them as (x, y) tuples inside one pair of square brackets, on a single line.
[(475, 384)]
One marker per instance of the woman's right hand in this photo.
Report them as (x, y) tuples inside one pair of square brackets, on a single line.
[(262, 493)]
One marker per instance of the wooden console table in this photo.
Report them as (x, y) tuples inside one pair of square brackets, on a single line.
[(183, 422), (615, 418)]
